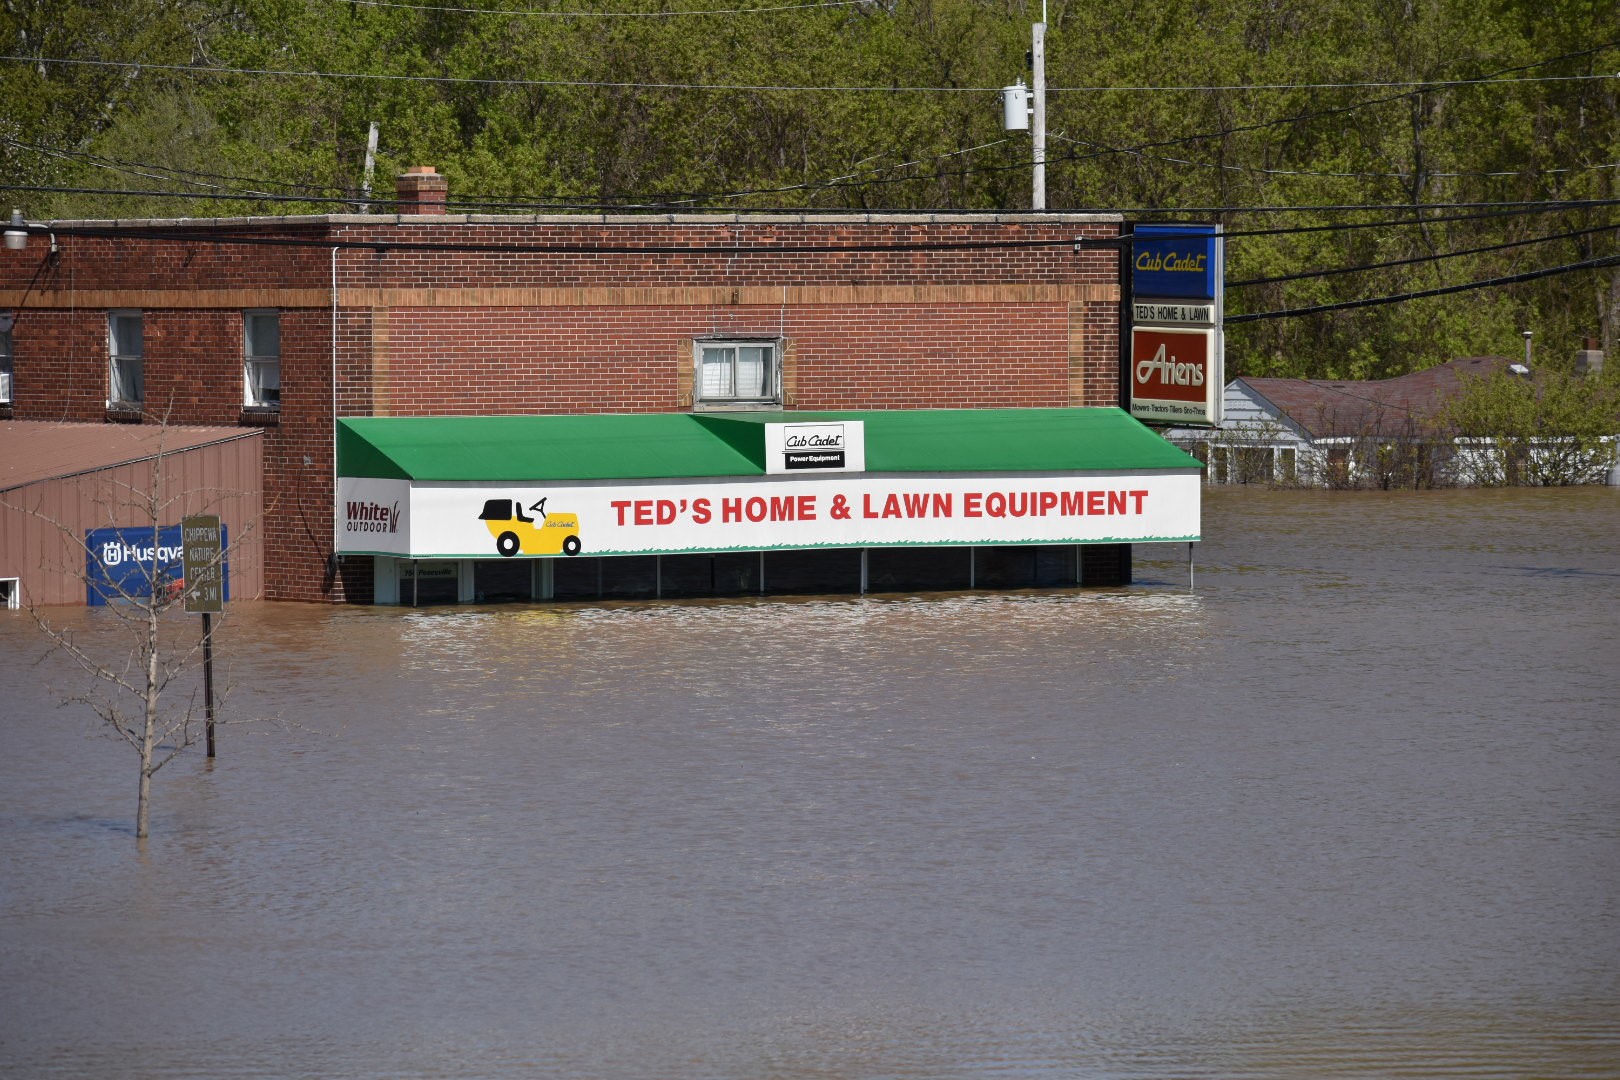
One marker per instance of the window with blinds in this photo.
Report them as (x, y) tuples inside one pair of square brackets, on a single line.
[(126, 351), (738, 373), (261, 362)]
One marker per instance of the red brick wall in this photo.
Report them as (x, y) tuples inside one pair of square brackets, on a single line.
[(59, 364), (651, 254), (575, 316), (508, 360), (1100, 355)]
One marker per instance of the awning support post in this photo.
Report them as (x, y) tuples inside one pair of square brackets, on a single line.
[(1189, 566), (863, 571)]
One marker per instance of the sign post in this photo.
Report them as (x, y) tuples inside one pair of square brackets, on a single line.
[(202, 556)]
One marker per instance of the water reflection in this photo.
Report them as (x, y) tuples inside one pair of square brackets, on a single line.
[(1349, 809)]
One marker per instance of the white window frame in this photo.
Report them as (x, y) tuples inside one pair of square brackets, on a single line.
[(7, 361), (254, 364), (10, 593), (1288, 465), (770, 395), (119, 358)]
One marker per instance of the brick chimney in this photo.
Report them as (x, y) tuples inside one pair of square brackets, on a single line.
[(421, 190), (1589, 358)]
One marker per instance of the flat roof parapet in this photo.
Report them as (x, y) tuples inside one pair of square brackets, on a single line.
[(954, 217)]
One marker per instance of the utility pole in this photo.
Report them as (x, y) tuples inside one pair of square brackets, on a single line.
[(371, 167), (1037, 200), (1019, 103)]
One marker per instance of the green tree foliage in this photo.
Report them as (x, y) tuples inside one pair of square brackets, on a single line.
[(1171, 109), (1554, 429)]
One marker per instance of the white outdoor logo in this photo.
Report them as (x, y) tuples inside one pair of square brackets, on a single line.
[(114, 553), (1171, 373)]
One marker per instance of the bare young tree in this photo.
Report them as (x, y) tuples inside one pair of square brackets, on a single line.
[(144, 685)]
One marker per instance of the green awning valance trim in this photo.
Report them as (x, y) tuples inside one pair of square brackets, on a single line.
[(674, 445)]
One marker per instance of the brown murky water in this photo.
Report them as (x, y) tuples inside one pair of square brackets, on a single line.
[(1351, 809)]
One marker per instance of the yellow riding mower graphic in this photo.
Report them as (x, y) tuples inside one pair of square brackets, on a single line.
[(515, 531)]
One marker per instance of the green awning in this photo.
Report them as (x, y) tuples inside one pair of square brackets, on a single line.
[(674, 445)]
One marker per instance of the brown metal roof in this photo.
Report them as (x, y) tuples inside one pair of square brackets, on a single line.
[(35, 450), (1328, 408)]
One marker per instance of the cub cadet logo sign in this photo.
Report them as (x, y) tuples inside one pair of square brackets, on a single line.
[(1177, 262), (1173, 262), (815, 446), (819, 446), (371, 517)]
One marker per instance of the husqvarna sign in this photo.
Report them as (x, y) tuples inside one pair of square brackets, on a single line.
[(1178, 350)]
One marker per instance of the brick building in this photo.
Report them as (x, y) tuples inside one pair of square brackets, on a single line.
[(289, 324)]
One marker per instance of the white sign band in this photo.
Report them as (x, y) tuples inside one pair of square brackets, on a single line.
[(488, 520)]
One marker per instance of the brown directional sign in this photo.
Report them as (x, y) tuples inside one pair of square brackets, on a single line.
[(202, 557)]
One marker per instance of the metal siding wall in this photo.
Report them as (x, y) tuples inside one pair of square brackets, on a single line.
[(42, 525)]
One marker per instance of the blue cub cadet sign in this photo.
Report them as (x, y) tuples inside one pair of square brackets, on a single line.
[(124, 564), (1176, 261)]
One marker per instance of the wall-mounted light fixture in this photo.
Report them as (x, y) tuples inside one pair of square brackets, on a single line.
[(17, 233)]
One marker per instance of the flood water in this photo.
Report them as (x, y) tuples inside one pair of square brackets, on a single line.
[(1351, 808)]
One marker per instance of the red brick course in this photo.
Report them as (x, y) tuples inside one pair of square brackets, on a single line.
[(578, 316)]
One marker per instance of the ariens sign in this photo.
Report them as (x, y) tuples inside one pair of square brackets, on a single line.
[(1171, 374)]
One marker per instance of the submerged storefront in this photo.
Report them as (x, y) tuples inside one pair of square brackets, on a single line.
[(465, 509)]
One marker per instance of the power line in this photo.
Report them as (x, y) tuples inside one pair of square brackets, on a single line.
[(155, 194), (159, 234), (1375, 301), (1254, 169), (689, 198), (609, 14), (1312, 275), (455, 80), (181, 175), (176, 173), (1298, 118), (1510, 208)]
